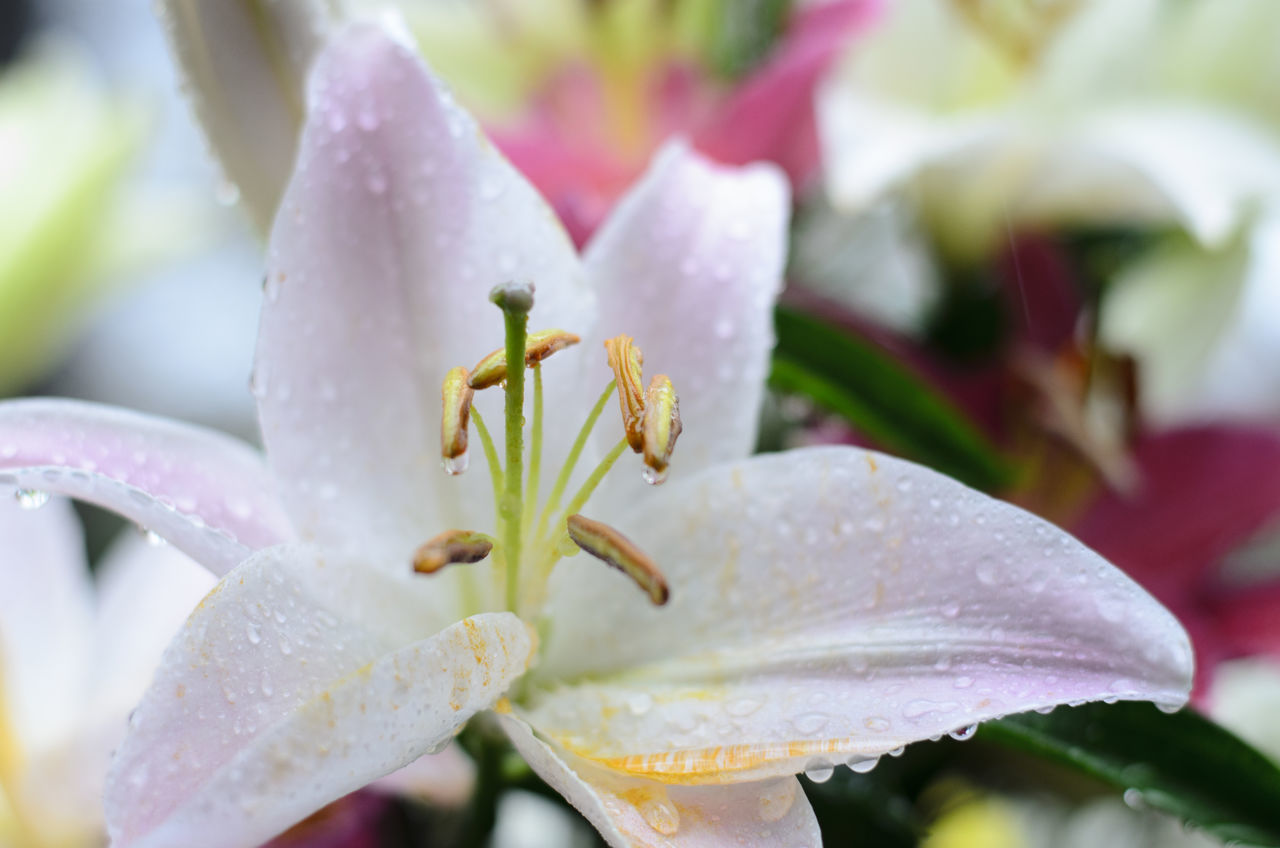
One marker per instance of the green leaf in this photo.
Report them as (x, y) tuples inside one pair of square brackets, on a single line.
[(1181, 763), (882, 399), (743, 33)]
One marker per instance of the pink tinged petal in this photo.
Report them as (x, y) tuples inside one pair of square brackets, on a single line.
[(206, 493), (690, 264), (46, 618), (830, 604), (446, 778), (771, 114), (299, 679), (398, 221), (633, 812)]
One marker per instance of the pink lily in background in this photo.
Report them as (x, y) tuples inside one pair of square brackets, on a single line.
[(74, 659), (827, 606), (582, 142)]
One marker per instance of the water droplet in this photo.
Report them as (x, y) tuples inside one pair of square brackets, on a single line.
[(367, 120), (1133, 798), (810, 723), (723, 327), (965, 732), (227, 193), (150, 536), (253, 633), (899, 751), (640, 704), (861, 765), (743, 707), (652, 476), (819, 771), (337, 121), (658, 812), (775, 801), (31, 498), (963, 682), (454, 466), (877, 724), (951, 609), (904, 484)]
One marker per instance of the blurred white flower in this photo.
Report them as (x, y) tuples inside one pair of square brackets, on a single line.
[(74, 659)]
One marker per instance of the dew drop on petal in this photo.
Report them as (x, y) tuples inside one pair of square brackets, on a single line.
[(150, 536), (862, 766), (819, 771), (776, 800), (253, 633), (964, 733), (658, 812), (31, 498), (455, 465)]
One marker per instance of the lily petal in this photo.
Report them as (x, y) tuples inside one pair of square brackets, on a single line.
[(310, 701), (206, 493), (636, 813), (399, 220), (243, 63), (45, 622), (690, 264), (833, 603)]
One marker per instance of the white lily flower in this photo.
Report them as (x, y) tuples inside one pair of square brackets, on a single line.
[(74, 659), (1087, 113), (826, 606)]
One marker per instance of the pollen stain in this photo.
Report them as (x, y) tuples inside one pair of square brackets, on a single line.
[(871, 463), (181, 691)]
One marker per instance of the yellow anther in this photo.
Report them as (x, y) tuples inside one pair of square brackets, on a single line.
[(661, 427), (608, 545), (625, 359), (492, 370), (456, 416), (449, 548)]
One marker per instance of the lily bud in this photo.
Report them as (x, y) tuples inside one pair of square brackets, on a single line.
[(626, 359), (492, 370), (456, 398), (611, 547), (244, 64), (661, 427), (450, 548)]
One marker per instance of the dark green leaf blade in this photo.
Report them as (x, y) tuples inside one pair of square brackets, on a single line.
[(1181, 763), (882, 399)]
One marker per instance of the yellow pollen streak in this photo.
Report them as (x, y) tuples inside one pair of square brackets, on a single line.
[(716, 765)]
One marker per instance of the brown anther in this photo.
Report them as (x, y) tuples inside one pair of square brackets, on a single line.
[(456, 396), (492, 370), (611, 547), (449, 548), (661, 424), (625, 359)]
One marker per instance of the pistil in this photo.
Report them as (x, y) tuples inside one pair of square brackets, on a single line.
[(515, 300)]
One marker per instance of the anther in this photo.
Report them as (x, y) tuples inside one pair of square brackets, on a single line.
[(492, 370), (611, 547), (661, 427), (449, 548), (456, 416), (625, 359)]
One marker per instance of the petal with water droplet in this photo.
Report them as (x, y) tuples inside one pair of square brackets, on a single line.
[(630, 812), (364, 689), (781, 592), (381, 293), (206, 493), (690, 264)]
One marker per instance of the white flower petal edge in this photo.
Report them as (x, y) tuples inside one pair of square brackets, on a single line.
[(637, 813), (690, 264), (300, 678), (207, 494), (833, 604), (399, 220)]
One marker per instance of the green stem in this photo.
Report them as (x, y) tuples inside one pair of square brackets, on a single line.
[(491, 457), (553, 500), (535, 453)]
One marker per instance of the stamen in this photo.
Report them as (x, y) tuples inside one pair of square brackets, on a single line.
[(491, 458), (608, 545), (492, 370), (449, 548), (562, 479), (456, 396), (625, 359), (661, 428)]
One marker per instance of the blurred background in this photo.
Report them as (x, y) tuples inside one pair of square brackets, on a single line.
[(1036, 246)]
